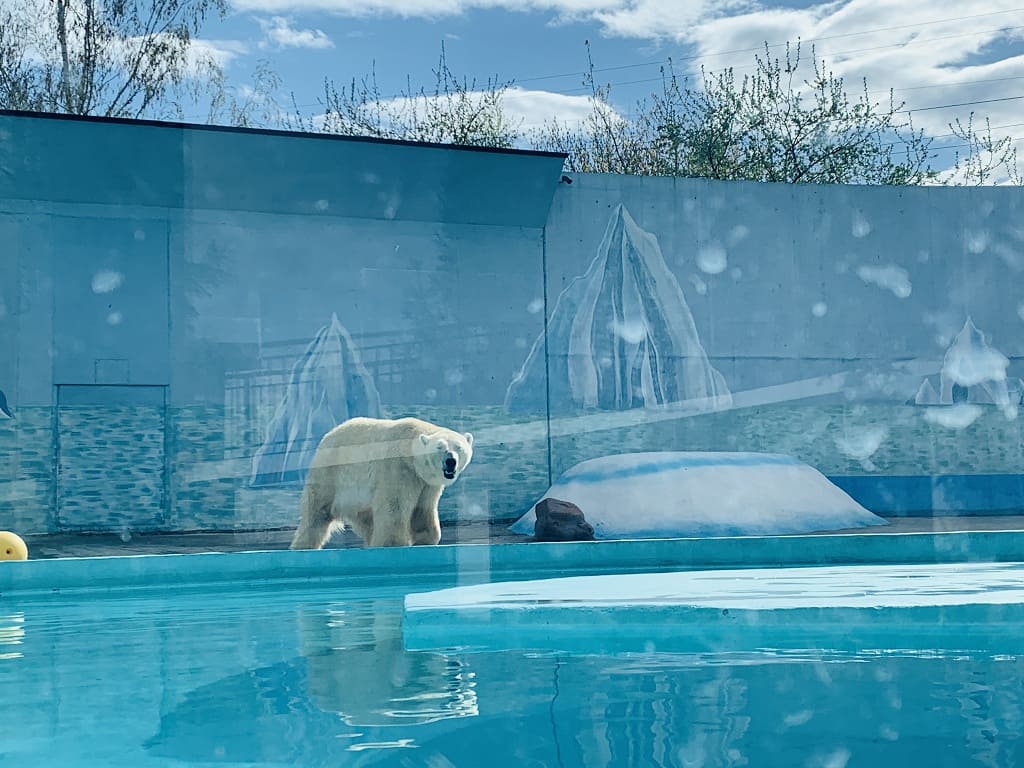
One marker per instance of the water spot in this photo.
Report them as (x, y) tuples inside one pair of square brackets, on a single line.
[(605, 361), (923, 257), (521, 342), (454, 377), (712, 259), (535, 306), (107, 280), (738, 234), (735, 273), (632, 331), (371, 178), (819, 309), (322, 205), (1020, 311), (837, 758), (430, 394), (140, 235), (798, 718), (976, 241), (114, 318), (890, 277), (698, 284), (861, 443), (126, 536), (888, 733), (860, 226)]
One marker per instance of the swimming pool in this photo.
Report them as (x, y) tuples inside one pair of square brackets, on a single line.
[(300, 659)]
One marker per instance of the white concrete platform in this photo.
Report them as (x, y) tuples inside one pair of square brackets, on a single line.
[(853, 608)]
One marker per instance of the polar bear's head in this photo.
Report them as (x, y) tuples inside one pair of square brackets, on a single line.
[(440, 457)]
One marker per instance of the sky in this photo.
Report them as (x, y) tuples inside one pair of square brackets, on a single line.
[(944, 60), (934, 54)]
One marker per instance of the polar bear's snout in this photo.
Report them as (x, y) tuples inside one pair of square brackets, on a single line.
[(450, 463)]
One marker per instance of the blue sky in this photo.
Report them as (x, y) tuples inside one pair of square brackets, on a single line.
[(933, 53)]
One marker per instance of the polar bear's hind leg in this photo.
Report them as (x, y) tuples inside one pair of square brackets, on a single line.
[(316, 522)]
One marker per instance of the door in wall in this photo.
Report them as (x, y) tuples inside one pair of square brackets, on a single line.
[(111, 370)]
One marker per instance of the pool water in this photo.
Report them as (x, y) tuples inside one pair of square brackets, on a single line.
[(320, 677)]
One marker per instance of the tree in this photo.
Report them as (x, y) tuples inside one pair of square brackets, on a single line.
[(767, 126), (984, 159), (456, 112), (114, 58)]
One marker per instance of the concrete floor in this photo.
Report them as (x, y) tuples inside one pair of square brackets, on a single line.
[(105, 545)]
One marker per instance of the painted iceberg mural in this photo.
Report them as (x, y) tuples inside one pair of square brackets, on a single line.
[(973, 372), (327, 385), (620, 336)]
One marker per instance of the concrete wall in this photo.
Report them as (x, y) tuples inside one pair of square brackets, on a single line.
[(185, 311), (833, 323)]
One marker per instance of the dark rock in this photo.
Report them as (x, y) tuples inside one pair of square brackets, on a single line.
[(559, 520)]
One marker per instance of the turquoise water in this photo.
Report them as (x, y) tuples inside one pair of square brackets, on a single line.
[(267, 676)]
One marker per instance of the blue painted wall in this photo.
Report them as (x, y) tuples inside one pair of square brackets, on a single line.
[(200, 304)]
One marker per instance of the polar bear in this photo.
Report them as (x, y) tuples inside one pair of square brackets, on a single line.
[(382, 477)]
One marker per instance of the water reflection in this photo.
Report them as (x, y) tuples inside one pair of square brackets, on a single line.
[(358, 668), (354, 689), (12, 634), (355, 697)]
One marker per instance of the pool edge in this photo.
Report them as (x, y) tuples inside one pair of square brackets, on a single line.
[(482, 562)]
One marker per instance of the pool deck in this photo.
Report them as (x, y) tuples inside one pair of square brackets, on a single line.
[(111, 545)]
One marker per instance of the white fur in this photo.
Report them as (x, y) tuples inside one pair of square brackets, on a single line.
[(381, 477)]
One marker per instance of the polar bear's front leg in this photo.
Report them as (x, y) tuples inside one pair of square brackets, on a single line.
[(391, 514), (425, 523)]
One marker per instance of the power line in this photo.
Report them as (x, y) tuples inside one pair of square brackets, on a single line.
[(583, 89), (963, 104), (772, 45), (950, 85)]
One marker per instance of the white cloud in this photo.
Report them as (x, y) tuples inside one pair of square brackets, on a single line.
[(930, 56), (533, 109), (220, 52), (279, 33), (440, 8), (526, 110), (36, 21)]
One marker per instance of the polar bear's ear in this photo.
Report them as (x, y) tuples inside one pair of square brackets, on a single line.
[(425, 439), (469, 438)]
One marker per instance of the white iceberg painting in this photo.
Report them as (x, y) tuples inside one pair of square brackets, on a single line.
[(973, 372), (327, 385), (620, 336)]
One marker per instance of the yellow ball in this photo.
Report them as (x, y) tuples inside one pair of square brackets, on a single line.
[(12, 546)]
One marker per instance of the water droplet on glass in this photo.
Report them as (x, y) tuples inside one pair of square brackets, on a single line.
[(106, 280), (712, 259)]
